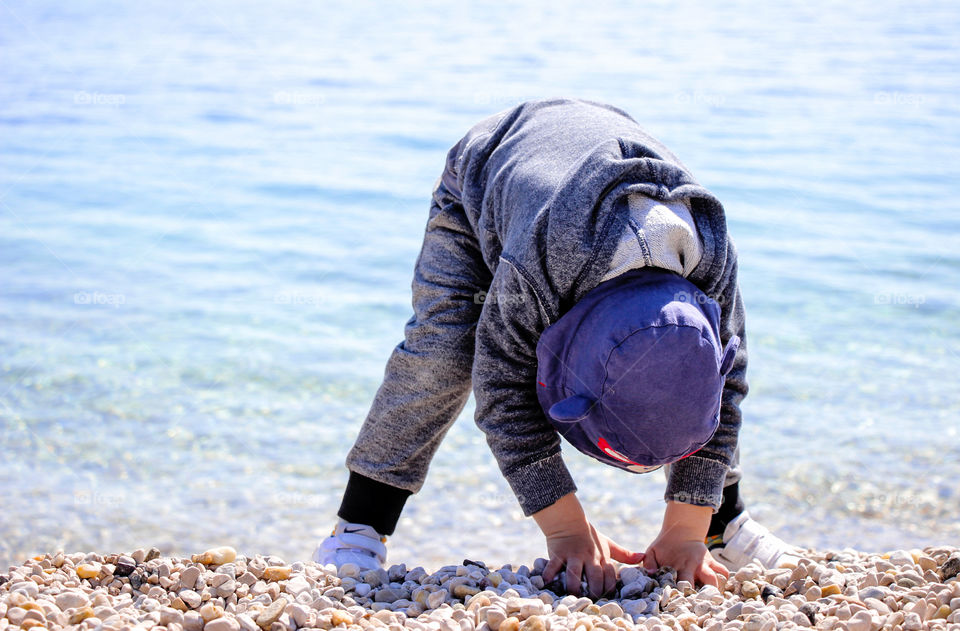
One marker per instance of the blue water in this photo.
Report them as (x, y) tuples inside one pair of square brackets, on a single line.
[(209, 215)]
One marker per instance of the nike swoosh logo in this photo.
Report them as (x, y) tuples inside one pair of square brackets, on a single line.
[(353, 531)]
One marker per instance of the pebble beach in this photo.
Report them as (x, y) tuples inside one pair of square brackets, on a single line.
[(221, 590)]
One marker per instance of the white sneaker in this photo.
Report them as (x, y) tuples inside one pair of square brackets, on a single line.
[(745, 540), (352, 543)]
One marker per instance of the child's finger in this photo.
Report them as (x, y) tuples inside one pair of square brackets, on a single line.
[(708, 576), (553, 566), (650, 561), (594, 580), (619, 553), (719, 568), (574, 570), (722, 573), (609, 579)]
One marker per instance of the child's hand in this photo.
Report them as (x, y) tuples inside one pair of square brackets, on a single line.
[(680, 545), (573, 542), (691, 559)]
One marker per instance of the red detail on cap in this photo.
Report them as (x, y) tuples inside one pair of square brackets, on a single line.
[(689, 454), (542, 384), (610, 451)]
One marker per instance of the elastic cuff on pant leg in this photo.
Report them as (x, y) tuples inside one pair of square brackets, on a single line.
[(367, 501), (731, 507)]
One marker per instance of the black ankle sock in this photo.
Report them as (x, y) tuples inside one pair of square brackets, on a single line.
[(731, 507), (367, 501)]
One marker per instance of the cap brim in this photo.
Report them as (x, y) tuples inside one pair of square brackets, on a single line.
[(572, 409)]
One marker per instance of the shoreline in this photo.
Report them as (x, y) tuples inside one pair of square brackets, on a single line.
[(219, 590)]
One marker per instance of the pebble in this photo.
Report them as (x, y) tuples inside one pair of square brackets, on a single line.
[(296, 585), (88, 570), (749, 589), (901, 558), (770, 591), (277, 573), (810, 611), (124, 566), (192, 621), (210, 611), (191, 598), (339, 616), (246, 623), (951, 567), (71, 600), (215, 556), (222, 624), (912, 622), (271, 614), (298, 613), (226, 588)]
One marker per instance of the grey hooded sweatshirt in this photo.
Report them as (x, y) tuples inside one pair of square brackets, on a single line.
[(524, 221)]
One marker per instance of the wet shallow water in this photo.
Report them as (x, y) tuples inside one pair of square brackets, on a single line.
[(209, 217)]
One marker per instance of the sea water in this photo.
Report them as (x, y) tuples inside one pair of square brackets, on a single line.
[(210, 212)]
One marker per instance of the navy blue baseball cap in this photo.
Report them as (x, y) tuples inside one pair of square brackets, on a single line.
[(633, 373)]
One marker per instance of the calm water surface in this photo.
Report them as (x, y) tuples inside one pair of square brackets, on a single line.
[(209, 215)]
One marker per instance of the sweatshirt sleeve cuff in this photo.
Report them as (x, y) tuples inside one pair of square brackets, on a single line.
[(541, 483), (698, 481)]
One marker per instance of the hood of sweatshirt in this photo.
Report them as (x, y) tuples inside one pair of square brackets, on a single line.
[(546, 184)]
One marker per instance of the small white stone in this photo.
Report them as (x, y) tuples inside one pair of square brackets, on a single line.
[(349, 569), (631, 574), (296, 585), (29, 588), (495, 616), (861, 621), (191, 598), (170, 615), (71, 598), (246, 623), (223, 623), (750, 572), (192, 621), (901, 558), (611, 609), (299, 613)]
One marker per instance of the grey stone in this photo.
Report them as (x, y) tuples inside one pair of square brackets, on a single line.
[(770, 591), (950, 567), (189, 577), (872, 592), (733, 612), (125, 566), (397, 572)]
